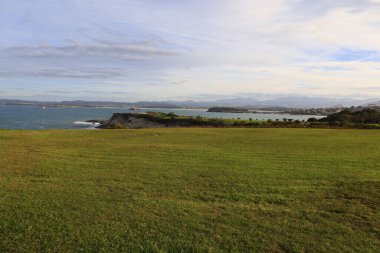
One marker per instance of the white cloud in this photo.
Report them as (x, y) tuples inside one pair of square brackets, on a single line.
[(220, 47)]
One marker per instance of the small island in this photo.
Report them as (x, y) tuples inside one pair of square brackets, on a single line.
[(229, 109)]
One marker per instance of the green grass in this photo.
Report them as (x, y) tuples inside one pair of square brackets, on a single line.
[(190, 190)]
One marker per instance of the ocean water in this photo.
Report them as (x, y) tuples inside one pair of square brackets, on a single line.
[(28, 117)]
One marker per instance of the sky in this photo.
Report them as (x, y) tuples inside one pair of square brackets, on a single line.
[(131, 50)]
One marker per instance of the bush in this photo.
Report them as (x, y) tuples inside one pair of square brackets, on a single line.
[(117, 126), (312, 120)]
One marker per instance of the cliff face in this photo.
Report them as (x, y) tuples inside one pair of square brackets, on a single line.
[(129, 120)]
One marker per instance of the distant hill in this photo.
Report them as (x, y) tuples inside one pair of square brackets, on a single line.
[(376, 103), (80, 103), (283, 101), (239, 101)]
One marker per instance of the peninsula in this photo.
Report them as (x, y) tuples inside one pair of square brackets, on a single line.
[(363, 119)]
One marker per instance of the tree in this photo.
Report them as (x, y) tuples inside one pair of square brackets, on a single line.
[(171, 115)]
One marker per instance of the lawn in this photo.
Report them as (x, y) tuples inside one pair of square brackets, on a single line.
[(190, 190)]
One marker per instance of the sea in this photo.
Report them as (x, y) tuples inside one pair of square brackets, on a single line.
[(29, 117)]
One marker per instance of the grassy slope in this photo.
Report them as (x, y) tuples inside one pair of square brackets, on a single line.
[(285, 190)]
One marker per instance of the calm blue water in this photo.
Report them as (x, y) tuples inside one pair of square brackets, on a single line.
[(27, 117)]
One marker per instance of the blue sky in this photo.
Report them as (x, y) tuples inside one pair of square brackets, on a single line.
[(129, 50)]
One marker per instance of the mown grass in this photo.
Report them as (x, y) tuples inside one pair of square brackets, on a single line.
[(190, 190)]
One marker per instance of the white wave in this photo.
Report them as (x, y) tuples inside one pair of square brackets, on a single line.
[(84, 123)]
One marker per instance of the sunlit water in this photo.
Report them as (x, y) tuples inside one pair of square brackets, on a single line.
[(28, 117)]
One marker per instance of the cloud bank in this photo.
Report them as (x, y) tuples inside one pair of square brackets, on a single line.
[(142, 47)]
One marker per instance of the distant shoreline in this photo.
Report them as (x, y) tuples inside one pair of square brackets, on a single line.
[(167, 108), (30, 117)]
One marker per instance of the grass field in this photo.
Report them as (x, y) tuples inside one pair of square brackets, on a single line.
[(190, 190)]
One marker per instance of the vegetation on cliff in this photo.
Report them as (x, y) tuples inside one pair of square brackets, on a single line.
[(365, 118), (158, 119)]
